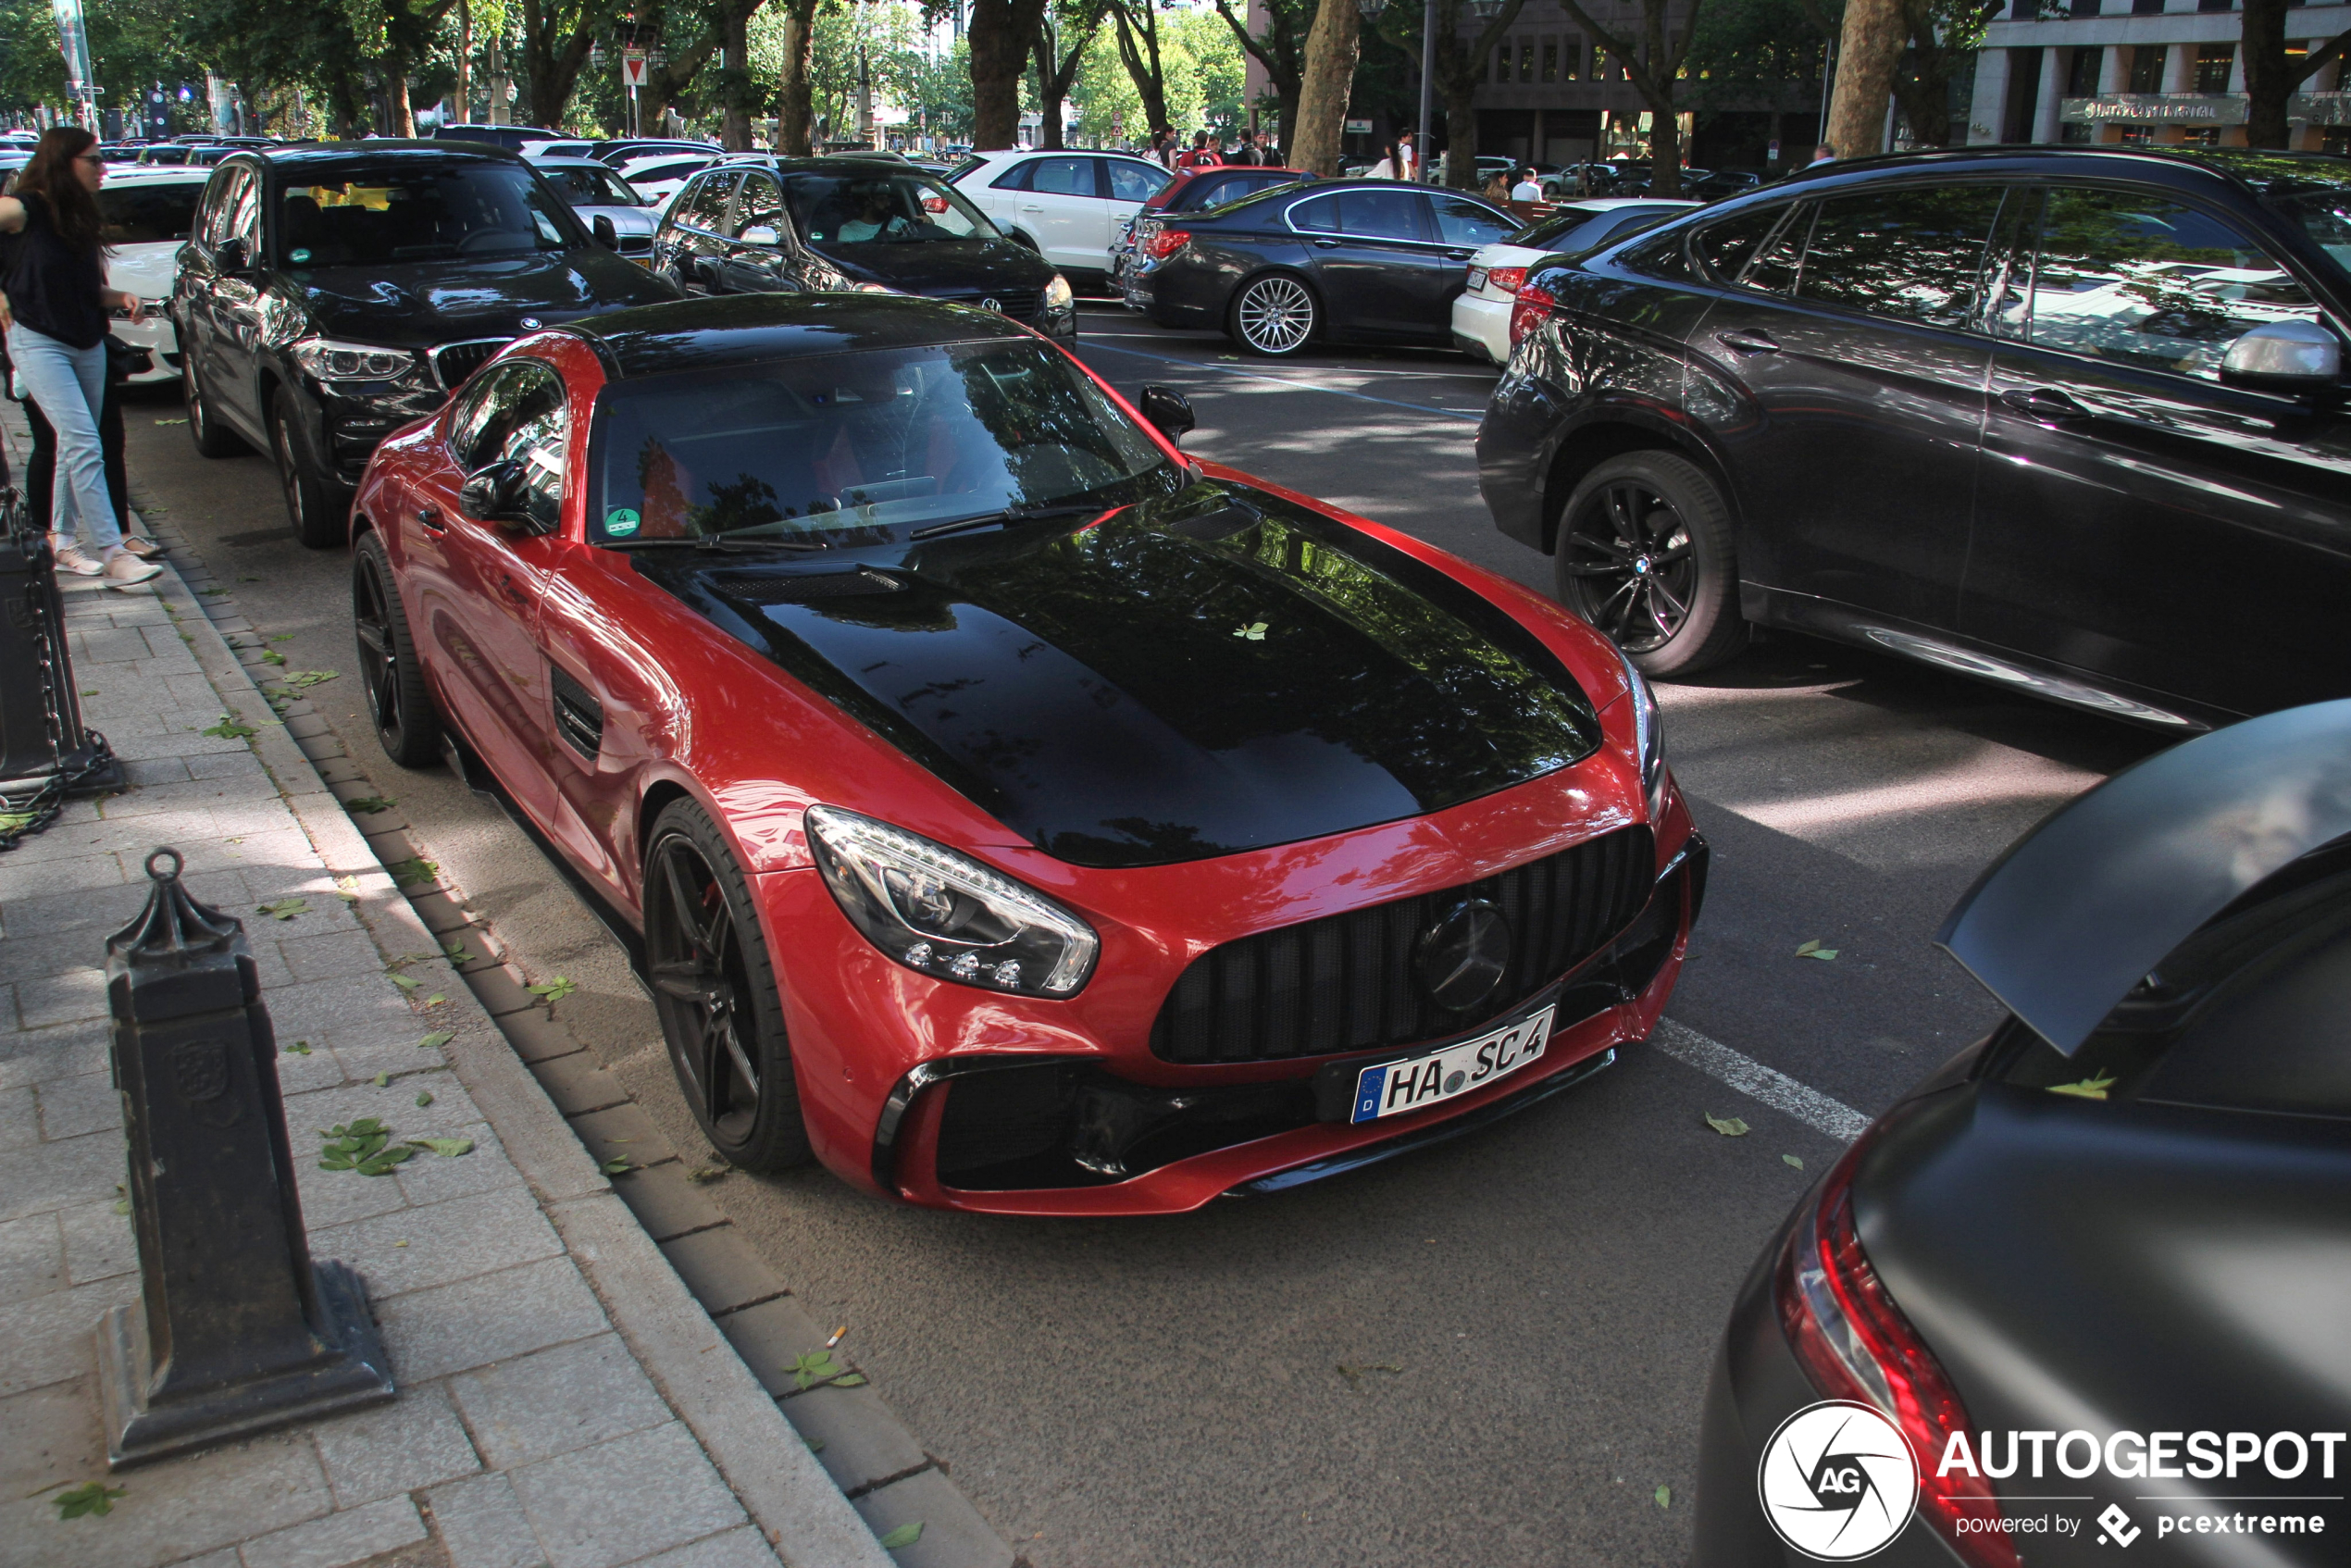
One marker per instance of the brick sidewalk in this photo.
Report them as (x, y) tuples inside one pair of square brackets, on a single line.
[(562, 1401)]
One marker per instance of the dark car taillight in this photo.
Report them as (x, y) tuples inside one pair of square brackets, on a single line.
[(1855, 1344), (1160, 244), (1533, 304), (1506, 279)]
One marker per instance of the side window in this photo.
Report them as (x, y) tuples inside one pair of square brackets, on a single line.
[(1063, 177), (468, 423), (1723, 249), (1772, 268), (1913, 254), (704, 204), (1461, 222), (243, 219), (1140, 182), (2139, 278), (1317, 216), (759, 204), (1013, 178), (220, 203), (1382, 214), (537, 424)]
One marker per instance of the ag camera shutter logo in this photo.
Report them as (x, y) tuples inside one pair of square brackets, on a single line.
[(1838, 1481)]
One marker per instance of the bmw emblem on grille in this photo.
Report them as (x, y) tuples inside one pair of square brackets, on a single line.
[(530, 323), (996, 305), (1462, 957)]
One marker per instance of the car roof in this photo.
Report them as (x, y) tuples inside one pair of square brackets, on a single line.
[(2252, 170), (571, 163), (383, 148), (733, 329), (161, 174), (1609, 204)]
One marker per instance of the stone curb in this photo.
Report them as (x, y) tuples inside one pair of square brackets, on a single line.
[(807, 1519)]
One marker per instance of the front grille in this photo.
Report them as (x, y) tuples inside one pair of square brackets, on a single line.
[(1348, 982), (453, 362), (1020, 305), (636, 244)]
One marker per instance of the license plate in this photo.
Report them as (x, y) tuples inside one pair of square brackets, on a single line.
[(1393, 1087), (1477, 279)]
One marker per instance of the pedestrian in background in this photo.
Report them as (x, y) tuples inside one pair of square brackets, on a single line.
[(58, 297), (1202, 156), (1246, 152), (1390, 162), (1822, 153), (1527, 189), (1497, 187)]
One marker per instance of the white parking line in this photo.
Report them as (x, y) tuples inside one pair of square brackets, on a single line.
[(1752, 1079), (1282, 381)]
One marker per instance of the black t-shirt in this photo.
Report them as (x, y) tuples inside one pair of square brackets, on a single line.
[(54, 288)]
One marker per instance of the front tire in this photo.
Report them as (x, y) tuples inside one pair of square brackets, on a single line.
[(714, 989), (212, 437), (311, 500), (1645, 556), (1277, 315), (406, 723)]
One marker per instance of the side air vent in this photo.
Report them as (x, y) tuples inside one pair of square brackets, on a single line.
[(579, 717), (804, 589)]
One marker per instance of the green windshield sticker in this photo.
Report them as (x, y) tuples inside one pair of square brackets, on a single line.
[(620, 522), (297, 257)]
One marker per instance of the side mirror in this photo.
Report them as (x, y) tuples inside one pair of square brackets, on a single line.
[(2296, 359), (494, 495), (231, 258), (758, 234), (1169, 412), (606, 235)]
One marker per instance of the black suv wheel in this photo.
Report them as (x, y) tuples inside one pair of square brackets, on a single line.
[(317, 507), (1644, 554)]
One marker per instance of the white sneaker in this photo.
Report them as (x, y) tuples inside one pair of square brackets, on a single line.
[(73, 558), (126, 570), (145, 549)]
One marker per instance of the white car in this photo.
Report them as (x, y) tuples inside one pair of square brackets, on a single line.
[(1482, 312), (595, 190), (1068, 207), (147, 212), (659, 176)]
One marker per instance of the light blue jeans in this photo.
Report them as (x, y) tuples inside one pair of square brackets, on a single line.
[(70, 386)]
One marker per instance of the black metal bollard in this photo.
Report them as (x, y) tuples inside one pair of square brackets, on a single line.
[(235, 1329), (46, 752)]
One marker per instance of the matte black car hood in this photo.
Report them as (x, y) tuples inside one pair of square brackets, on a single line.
[(419, 304), (943, 269), (1206, 672)]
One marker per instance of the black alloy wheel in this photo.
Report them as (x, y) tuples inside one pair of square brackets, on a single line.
[(1274, 315), (398, 701), (212, 437), (1643, 554), (716, 991), (310, 501)]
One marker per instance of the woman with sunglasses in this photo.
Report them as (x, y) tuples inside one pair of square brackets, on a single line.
[(58, 299)]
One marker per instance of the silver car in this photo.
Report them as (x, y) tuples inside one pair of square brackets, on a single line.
[(594, 191)]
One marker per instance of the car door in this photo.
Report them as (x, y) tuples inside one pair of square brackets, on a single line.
[(1853, 336), (1375, 262), (225, 309), (757, 256), (2138, 519), (1060, 205), (694, 238), (478, 583)]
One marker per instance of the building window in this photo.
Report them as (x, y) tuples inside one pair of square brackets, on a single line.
[(1503, 60), (2086, 7), (2147, 67), (1526, 60), (1599, 63), (1573, 65), (2216, 5), (2212, 65), (2081, 81), (1550, 59), (2146, 8)]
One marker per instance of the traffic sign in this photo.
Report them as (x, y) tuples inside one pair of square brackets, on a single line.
[(632, 68)]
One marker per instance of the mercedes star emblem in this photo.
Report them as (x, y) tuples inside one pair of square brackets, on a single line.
[(1464, 956)]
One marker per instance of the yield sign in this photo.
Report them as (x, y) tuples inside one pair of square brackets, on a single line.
[(632, 69)]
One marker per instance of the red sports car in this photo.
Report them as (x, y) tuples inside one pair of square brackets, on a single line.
[(1018, 815)]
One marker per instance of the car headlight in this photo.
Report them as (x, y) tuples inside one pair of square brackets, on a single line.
[(1058, 296), (1648, 740), (945, 914), (332, 361)]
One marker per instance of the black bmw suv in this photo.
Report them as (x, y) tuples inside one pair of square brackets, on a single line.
[(330, 294), (2074, 420)]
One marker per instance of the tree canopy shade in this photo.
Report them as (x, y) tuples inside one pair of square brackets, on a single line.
[(1461, 65), (1652, 59)]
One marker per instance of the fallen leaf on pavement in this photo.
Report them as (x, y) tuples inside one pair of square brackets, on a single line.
[(1814, 950), (424, 1098), (447, 1148), (370, 803), (97, 1498), (1791, 1160), (437, 1039), (905, 1535), (1729, 1126), (1664, 1497)]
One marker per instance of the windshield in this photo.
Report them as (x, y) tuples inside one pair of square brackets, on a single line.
[(598, 187), (853, 448), (2324, 213), (419, 212), (872, 209), (140, 215)]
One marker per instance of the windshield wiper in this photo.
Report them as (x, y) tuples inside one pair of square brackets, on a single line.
[(1008, 515), (718, 542)]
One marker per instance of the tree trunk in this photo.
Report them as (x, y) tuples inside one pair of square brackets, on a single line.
[(1869, 50), (464, 61), (734, 80), (794, 114), (1048, 91), (2266, 84), (1331, 50), (1144, 66), (403, 113), (1461, 132), (1665, 147), (1001, 31)]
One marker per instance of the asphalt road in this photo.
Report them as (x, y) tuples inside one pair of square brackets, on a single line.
[(1492, 1352)]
